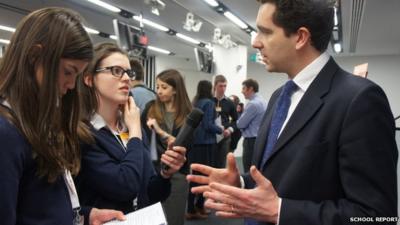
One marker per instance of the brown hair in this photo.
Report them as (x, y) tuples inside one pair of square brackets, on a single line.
[(48, 122), (137, 66), (251, 83), (315, 15), (219, 79), (204, 88), (181, 103), (88, 94)]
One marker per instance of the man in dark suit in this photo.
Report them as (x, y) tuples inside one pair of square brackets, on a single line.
[(325, 152)]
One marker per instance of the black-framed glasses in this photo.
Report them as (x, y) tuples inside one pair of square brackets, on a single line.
[(118, 71)]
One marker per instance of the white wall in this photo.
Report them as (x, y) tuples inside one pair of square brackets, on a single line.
[(232, 63)]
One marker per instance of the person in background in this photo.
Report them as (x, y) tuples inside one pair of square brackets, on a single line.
[(140, 92), (326, 151), (236, 135), (117, 171), (250, 120), (204, 142), (165, 116), (39, 122), (226, 113)]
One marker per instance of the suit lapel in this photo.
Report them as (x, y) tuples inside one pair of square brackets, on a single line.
[(308, 106)]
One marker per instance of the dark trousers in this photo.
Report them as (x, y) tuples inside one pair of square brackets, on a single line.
[(175, 205), (198, 154), (248, 149), (219, 153)]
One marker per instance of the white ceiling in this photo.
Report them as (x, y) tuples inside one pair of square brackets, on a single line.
[(379, 32)]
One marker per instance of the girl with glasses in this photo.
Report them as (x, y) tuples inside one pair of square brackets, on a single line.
[(39, 121), (116, 170)]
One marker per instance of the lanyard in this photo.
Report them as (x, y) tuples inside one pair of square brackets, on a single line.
[(73, 195)]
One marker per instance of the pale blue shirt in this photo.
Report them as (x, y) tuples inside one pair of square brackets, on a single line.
[(250, 120)]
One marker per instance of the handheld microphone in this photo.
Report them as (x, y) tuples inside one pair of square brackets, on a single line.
[(192, 122)]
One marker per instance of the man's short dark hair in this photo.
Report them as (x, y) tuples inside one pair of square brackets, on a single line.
[(251, 83), (315, 15), (137, 66)]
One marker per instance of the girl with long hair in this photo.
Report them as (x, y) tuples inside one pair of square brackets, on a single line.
[(165, 116), (39, 121), (117, 171)]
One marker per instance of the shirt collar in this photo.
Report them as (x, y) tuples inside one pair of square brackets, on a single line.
[(253, 96), (224, 97), (98, 123), (310, 72)]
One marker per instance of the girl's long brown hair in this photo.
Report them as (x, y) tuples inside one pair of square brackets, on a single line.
[(49, 123), (182, 103)]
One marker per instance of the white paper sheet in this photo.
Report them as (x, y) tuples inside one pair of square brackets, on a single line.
[(151, 215)]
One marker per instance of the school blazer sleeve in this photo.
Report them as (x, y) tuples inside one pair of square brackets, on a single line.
[(12, 157), (117, 178)]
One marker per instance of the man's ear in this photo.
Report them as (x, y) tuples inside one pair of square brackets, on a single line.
[(303, 36), (88, 80)]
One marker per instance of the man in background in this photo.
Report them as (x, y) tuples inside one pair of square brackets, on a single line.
[(251, 119), (226, 111), (141, 93)]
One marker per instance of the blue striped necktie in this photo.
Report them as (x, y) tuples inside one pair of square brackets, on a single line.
[(278, 118)]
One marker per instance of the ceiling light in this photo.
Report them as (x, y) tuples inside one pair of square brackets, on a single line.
[(186, 38), (151, 23), (105, 5), (4, 41), (10, 29), (159, 50), (212, 3), (91, 31), (337, 47), (335, 17), (114, 37), (235, 20)]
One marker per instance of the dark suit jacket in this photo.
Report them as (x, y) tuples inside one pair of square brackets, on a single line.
[(336, 158)]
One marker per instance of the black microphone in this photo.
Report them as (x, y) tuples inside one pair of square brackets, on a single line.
[(192, 122)]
